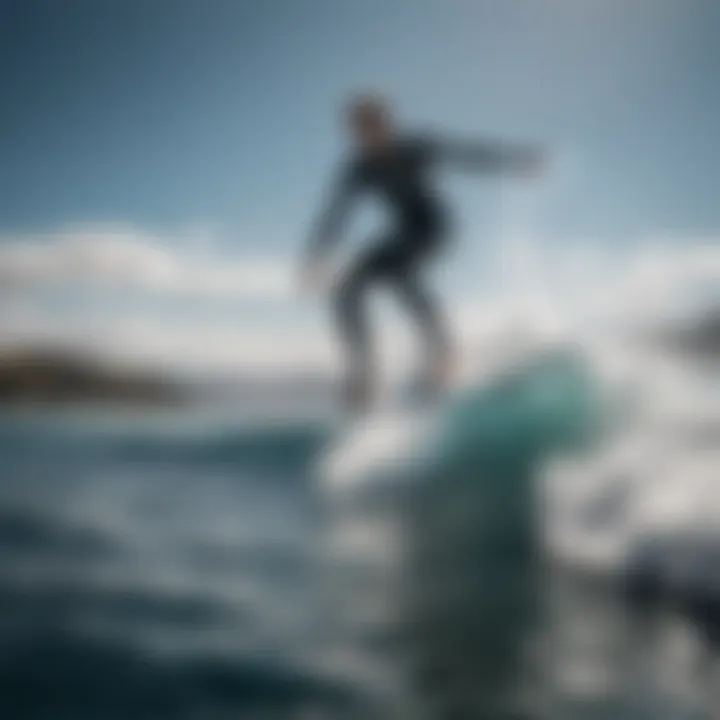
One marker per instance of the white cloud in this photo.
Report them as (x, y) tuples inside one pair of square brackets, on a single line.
[(545, 293), (134, 259)]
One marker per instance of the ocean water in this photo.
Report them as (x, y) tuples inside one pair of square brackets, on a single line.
[(192, 565)]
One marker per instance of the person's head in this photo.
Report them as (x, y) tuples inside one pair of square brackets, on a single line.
[(370, 121)]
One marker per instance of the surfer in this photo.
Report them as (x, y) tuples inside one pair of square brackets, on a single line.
[(396, 166)]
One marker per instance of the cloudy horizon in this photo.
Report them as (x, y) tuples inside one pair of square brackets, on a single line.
[(141, 298), (161, 167)]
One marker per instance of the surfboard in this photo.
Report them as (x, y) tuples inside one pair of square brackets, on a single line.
[(397, 440), (542, 398)]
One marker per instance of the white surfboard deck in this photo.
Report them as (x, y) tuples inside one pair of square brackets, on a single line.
[(377, 448), (387, 441)]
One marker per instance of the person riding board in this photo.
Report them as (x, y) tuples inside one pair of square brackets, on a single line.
[(397, 167)]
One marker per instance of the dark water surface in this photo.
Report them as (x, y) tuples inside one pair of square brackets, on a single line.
[(178, 568)]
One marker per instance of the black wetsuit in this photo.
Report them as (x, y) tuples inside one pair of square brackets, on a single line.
[(401, 176)]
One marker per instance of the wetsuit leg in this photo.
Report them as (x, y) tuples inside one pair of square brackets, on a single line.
[(426, 312), (407, 281), (398, 260), (350, 314)]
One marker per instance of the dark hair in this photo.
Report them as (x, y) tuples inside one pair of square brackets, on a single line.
[(367, 104)]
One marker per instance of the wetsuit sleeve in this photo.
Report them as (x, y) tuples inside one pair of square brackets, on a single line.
[(330, 221), (483, 156)]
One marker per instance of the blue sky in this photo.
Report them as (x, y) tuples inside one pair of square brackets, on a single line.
[(218, 118)]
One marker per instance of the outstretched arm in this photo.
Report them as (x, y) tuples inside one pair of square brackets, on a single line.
[(489, 156)]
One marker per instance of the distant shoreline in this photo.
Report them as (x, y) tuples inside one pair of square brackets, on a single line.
[(32, 376)]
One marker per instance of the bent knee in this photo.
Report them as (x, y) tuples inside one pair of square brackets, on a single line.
[(348, 293)]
